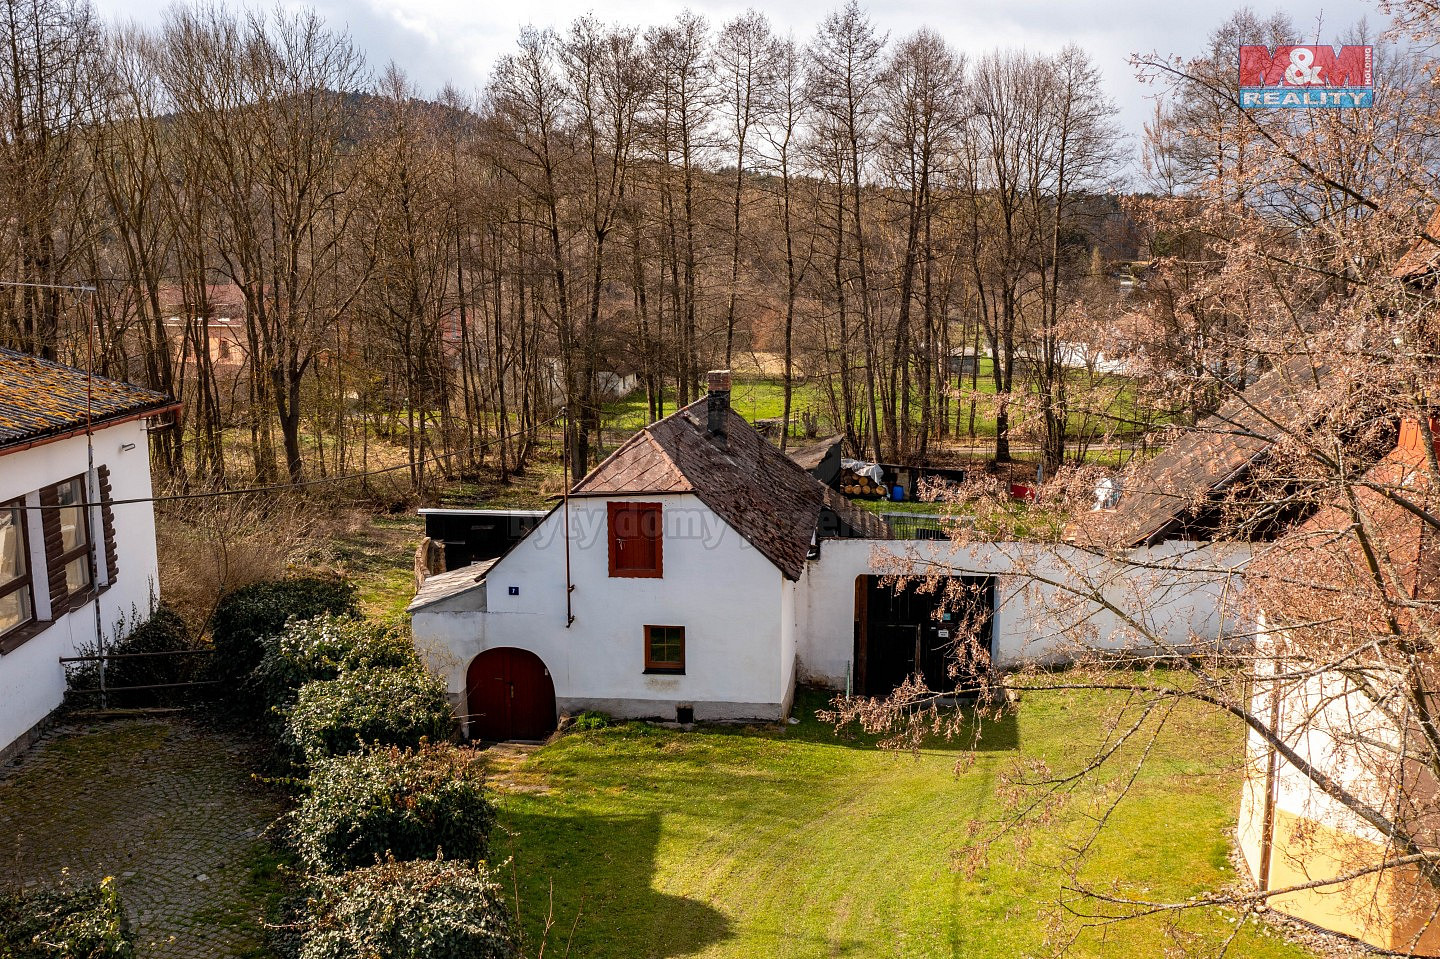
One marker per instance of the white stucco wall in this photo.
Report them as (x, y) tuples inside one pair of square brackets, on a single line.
[(750, 633), (1323, 716), (739, 641), (32, 681), (1179, 591)]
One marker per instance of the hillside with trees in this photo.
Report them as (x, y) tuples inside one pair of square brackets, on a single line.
[(332, 269)]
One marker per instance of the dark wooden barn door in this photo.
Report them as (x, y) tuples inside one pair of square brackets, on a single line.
[(509, 695), (901, 631)]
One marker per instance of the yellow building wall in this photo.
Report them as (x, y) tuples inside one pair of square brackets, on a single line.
[(1384, 910)]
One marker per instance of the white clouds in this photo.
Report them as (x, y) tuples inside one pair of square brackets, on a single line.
[(457, 41)]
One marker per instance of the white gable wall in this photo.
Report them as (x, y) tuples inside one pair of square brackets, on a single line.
[(739, 640), (32, 681)]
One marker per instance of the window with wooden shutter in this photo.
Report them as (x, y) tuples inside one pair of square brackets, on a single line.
[(17, 601), (636, 547), (107, 521), (70, 565)]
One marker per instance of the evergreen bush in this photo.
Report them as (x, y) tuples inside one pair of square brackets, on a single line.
[(247, 616), (435, 909), (408, 804), (387, 707), (79, 923), (324, 647)]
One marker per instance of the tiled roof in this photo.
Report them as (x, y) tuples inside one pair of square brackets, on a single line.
[(759, 491), (1159, 495), (41, 399), (1318, 574), (1423, 257)]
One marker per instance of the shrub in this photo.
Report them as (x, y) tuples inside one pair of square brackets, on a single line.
[(410, 910), (246, 616), (209, 546), (410, 804), (387, 707), (590, 719), (83, 923), (324, 647), (163, 632)]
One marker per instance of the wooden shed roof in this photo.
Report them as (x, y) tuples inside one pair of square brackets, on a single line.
[(810, 457), (1157, 496)]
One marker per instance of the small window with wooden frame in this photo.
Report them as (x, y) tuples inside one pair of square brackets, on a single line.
[(17, 598), (665, 649), (69, 552), (636, 543)]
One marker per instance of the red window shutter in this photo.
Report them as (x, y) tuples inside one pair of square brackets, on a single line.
[(54, 546), (107, 519), (636, 547)]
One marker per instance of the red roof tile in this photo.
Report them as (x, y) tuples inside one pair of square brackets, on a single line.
[(1423, 257)]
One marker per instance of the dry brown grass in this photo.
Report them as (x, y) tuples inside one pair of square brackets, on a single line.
[(210, 546)]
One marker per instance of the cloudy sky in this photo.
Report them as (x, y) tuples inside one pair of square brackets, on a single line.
[(456, 41)]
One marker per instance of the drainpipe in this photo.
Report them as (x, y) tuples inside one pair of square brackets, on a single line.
[(565, 519)]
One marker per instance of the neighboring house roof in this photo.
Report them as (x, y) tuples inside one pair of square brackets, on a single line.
[(1158, 496), (810, 457), (1423, 258), (747, 481), (42, 400), (1318, 574), (440, 586), (224, 299)]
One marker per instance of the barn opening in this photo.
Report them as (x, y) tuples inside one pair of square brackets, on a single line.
[(903, 629)]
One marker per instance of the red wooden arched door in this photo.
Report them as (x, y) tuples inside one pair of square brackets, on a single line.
[(509, 695)]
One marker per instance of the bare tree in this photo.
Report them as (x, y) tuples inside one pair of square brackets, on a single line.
[(781, 130), (47, 97), (924, 90), (844, 83), (741, 51), (1330, 641)]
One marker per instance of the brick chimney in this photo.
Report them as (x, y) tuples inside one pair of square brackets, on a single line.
[(1412, 439), (717, 403)]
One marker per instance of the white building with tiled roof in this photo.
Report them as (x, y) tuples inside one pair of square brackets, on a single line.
[(77, 528), (699, 573)]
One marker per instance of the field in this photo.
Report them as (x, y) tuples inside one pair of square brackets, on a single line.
[(754, 398), (1109, 403), (790, 842)]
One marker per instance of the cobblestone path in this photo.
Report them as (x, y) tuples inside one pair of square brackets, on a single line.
[(167, 807)]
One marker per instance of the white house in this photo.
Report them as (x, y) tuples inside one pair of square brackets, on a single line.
[(698, 572), (1342, 681), (77, 529)]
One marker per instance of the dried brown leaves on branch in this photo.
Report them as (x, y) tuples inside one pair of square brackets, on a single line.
[(1273, 241)]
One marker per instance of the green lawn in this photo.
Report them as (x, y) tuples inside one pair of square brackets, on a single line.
[(1109, 403), (755, 399), (378, 556), (789, 842)]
